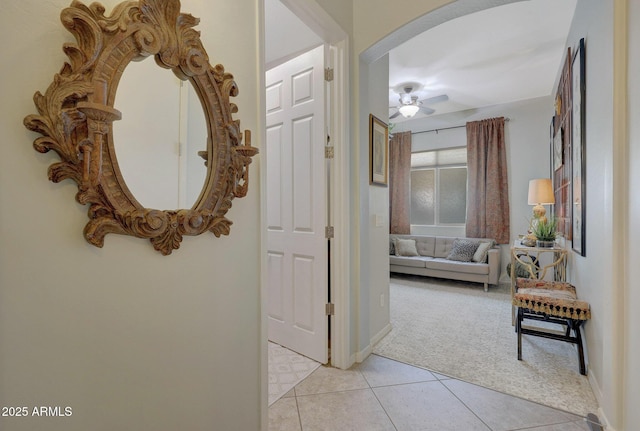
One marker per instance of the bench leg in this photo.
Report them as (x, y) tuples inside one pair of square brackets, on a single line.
[(576, 329), (519, 331), (571, 324)]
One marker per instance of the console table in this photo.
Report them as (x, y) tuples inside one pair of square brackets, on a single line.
[(542, 263)]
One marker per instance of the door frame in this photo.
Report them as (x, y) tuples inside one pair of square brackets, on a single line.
[(339, 204)]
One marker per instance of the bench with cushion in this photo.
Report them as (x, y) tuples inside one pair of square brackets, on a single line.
[(554, 302)]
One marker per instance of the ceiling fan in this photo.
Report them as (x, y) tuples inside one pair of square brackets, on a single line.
[(409, 103)]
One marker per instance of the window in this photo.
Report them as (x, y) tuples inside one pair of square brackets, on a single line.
[(439, 187)]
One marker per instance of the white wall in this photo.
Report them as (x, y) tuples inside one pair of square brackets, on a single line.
[(128, 338), (372, 291), (527, 143), (378, 220), (341, 11), (631, 370), (592, 274), (364, 271)]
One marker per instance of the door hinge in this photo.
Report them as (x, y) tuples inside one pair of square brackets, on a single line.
[(330, 309), (328, 74), (328, 232), (328, 152)]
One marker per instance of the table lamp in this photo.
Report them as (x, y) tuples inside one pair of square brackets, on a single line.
[(540, 193)]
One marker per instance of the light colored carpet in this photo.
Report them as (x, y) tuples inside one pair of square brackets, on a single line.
[(459, 330), (286, 369)]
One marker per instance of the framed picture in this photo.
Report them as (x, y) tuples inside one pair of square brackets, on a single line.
[(560, 164), (578, 164), (378, 151), (557, 150), (551, 152)]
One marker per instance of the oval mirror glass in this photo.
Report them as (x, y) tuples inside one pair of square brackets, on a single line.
[(193, 168), (158, 139)]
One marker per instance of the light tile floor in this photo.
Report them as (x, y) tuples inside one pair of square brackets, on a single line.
[(286, 369), (382, 394)]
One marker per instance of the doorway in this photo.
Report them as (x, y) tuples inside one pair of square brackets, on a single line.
[(335, 214)]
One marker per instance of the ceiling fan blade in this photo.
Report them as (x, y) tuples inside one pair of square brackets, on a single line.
[(435, 99), (426, 110), (391, 117)]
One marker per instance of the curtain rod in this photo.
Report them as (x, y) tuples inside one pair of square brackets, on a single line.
[(506, 120)]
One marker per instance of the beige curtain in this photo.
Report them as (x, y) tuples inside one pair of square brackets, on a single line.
[(400, 183), (488, 194)]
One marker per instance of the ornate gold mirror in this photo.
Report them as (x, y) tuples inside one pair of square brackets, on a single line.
[(76, 115)]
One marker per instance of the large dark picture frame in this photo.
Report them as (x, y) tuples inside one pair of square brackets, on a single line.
[(560, 150), (578, 140), (378, 151)]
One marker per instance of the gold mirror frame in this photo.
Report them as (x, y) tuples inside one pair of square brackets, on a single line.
[(76, 114)]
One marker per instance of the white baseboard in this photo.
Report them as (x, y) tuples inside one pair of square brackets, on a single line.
[(597, 392), (380, 335), (364, 353), (603, 420), (352, 359), (595, 387)]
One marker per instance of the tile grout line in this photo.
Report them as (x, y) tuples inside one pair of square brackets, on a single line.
[(440, 381), (535, 427), (466, 406), (378, 400), (511, 429), (295, 396)]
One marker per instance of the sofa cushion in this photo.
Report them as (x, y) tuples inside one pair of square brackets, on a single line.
[(406, 247), (416, 262), (426, 245), (443, 246), (481, 253), (457, 266), (463, 250)]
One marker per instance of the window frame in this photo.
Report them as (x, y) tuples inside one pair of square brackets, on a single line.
[(437, 168)]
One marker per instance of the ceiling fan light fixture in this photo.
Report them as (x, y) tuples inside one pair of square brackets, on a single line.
[(409, 111)]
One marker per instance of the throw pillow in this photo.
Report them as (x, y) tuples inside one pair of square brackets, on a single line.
[(392, 246), (483, 250), (463, 250), (406, 247)]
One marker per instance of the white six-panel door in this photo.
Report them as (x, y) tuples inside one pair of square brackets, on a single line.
[(297, 272)]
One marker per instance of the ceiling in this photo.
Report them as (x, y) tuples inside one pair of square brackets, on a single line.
[(499, 55)]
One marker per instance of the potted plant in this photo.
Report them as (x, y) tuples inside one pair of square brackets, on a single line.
[(545, 231)]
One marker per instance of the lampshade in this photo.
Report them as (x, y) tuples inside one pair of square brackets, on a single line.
[(409, 111), (541, 192)]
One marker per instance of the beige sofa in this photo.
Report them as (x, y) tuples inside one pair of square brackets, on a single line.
[(434, 259)]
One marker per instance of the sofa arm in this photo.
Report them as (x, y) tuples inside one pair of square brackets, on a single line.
[(493, 258)]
